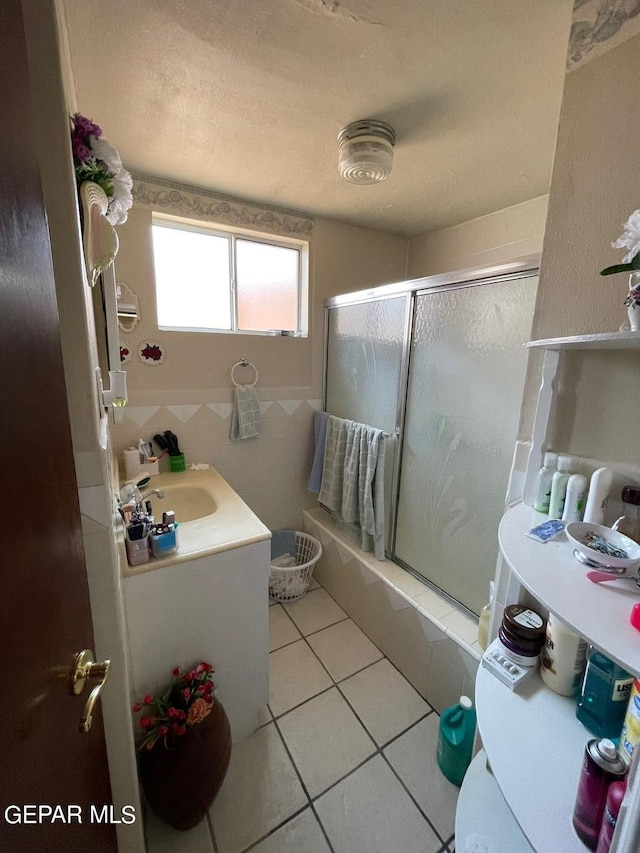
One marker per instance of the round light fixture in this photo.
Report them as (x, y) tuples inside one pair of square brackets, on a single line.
[(365, 151)]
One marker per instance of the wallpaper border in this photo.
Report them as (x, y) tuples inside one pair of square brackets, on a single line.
[(210, 206)]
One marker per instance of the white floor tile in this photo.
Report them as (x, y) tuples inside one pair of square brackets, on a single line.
[(326, 740), (344, 649), (313, 584), (384, 700), (301, 835), (314, 611), (295, 674), (261, 790), (414, 758), (162, 838), (371, 811), (281, 629)]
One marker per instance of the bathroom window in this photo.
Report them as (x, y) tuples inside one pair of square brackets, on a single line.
[(219, 279)]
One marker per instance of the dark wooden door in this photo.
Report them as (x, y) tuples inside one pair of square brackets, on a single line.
[(45, 615)]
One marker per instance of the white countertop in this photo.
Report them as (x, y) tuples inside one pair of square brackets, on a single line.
[(231, 525)]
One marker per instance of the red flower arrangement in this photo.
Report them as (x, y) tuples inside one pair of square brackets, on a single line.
[(185, 704)]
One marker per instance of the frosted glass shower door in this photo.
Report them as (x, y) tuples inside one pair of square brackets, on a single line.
[(364, 359), (465, 388)]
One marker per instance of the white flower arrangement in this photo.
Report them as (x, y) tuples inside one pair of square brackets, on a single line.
[(94, 159), (629, 239)]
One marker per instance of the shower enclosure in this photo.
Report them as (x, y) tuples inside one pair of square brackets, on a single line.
[(438, 363)]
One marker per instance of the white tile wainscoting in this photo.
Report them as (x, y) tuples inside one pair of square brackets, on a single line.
[(270, 473), (432, 644)]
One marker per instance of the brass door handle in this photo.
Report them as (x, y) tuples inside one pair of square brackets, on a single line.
[(83, 668)]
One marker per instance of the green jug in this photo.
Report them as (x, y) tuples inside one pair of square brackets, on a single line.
[(455, 739)]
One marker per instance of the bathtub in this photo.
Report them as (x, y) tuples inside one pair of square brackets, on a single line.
[(207, 602)]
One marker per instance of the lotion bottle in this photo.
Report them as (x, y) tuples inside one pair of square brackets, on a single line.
[(559, 486), (599, 488), (543, 484), (485, 618), (575, 499)]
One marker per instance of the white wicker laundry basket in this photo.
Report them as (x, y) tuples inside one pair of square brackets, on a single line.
[(291, 583)]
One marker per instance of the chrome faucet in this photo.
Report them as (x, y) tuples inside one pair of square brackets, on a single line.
[(148, 494)]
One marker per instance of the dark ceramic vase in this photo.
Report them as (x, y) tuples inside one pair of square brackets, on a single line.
[(181, 783)]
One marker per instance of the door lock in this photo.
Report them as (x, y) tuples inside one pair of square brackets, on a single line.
[(83, 668)]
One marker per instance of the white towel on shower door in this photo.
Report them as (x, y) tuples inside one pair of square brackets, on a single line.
[(353, 479)]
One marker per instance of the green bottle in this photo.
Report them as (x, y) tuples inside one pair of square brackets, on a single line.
[(455, 739)]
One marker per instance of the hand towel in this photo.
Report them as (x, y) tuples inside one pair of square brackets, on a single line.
[(246, 420), (320, 420)]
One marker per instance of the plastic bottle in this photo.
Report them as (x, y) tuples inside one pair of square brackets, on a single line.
[(455, 739), (559, 486), (615, 796), (630, 736), (564, 656), (629, 521), (543, 483), (606, 689), (599, 488), (485, 618), (575, 499)]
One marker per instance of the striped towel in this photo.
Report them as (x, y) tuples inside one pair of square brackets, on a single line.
[(246, 420), (353, 479)]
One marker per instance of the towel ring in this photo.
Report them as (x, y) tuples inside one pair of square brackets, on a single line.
[(244, 363)]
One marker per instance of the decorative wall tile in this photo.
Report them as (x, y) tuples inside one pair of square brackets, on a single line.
[(265, 405), (141, 414), (184, 413), (221, 409), (290, 406)]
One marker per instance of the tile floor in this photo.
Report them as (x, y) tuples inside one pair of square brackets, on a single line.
[(344, 760)]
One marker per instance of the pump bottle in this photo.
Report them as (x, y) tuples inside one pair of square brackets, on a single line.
[(559, 486), (543, 484)]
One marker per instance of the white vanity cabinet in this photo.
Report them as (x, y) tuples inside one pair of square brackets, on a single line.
[(532, 741)]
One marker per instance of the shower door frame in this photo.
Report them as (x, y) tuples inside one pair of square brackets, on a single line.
[(527, 267)]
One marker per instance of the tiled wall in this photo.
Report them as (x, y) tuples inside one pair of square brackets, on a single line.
[(432, 644), (270, 473)]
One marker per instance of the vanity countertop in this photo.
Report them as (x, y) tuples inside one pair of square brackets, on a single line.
[(226, 521)]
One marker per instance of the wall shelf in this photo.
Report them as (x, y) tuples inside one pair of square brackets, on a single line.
[(598, 612), (535, 746), (533, 740), (483, 819), (608, 340)]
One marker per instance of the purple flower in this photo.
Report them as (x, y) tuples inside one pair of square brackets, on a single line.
[(81, 151), (83, 124)]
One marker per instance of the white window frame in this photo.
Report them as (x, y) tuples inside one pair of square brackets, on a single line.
[(233, 233)]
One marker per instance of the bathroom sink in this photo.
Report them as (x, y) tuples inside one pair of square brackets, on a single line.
[(189, 502)]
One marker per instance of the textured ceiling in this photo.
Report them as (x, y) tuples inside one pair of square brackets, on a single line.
[(246, 97)]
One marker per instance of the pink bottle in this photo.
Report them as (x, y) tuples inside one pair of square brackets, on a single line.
[(610, 817)]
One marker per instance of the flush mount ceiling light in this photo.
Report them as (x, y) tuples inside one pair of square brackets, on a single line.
[(365, 151)]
